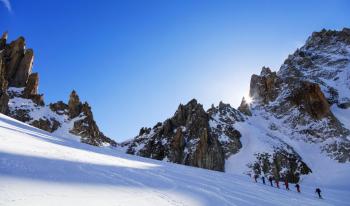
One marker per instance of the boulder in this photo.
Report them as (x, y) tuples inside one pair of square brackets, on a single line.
[(45, 124), (59, 107)]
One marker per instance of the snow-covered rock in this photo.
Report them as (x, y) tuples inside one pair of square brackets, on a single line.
[(19, 99), (295, 121)]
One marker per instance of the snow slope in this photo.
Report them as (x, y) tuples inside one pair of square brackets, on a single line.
[(258, 137), (37, 168)]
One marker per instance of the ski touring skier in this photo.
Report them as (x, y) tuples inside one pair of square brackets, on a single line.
[(270, 180), (277, 183), (286, 183), (318, 191), (298, 187), (256, 178), (263, 179)]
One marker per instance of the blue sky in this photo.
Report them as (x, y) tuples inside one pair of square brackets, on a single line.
[(135, 61)]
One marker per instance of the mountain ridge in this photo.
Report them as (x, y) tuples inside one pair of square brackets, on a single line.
[(300, 107)]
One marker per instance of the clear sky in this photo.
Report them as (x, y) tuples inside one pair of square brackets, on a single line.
[(135, 61)]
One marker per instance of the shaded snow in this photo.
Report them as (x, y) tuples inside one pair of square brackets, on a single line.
[(38, 168)]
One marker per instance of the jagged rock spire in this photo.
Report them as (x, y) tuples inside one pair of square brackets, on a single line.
[(19, 61), (74, 105), (244, 107), (3, 40)]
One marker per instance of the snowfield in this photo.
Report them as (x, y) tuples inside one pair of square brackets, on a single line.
[(37, 168)]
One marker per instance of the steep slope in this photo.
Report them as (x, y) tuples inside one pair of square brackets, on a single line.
[(296, 120), (299, 107), (19, 98), (38, 168)]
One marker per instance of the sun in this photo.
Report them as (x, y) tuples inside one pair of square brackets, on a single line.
[(248, 99)]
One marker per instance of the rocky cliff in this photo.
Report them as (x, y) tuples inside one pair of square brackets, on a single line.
[(19, 98), (192, 137), (301, 107)]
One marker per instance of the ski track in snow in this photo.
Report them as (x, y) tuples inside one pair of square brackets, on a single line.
[(39, 169)]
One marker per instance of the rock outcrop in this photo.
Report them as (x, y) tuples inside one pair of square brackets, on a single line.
[(264, 87), (281, 164), (20, 99), (85, 125), (192, 137), (309, 97), (4, 97), (74, 105), (244, 107), (186, 138)]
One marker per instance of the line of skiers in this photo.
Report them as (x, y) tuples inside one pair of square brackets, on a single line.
[(286, 184)]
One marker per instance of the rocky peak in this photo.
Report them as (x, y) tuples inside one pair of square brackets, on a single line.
[(324, 60), (74, 105), (3, 40), (28, 106), (19, 62), (244, 107), (264, 87), (192, 115), (186, 138), (325, 38)]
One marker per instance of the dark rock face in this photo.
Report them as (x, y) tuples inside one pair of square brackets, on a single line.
[(47, 125), (31, 89), (264, 87), (311, 99), (59, 107), (19, 62), (186, 138), (86, 127), (3, 40), (74, 105), (4, 97)]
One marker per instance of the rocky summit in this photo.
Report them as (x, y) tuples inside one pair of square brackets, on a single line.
[(296, 119), (19, 98), (192, 137)]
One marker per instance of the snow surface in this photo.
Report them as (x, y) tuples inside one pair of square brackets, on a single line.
[(257, 137), (37, 168)]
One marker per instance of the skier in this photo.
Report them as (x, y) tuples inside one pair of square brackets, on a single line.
[(270, 180), (298, 187), (277, 183), (256, 178), (263, 179), (318, 191), (286, 183)]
